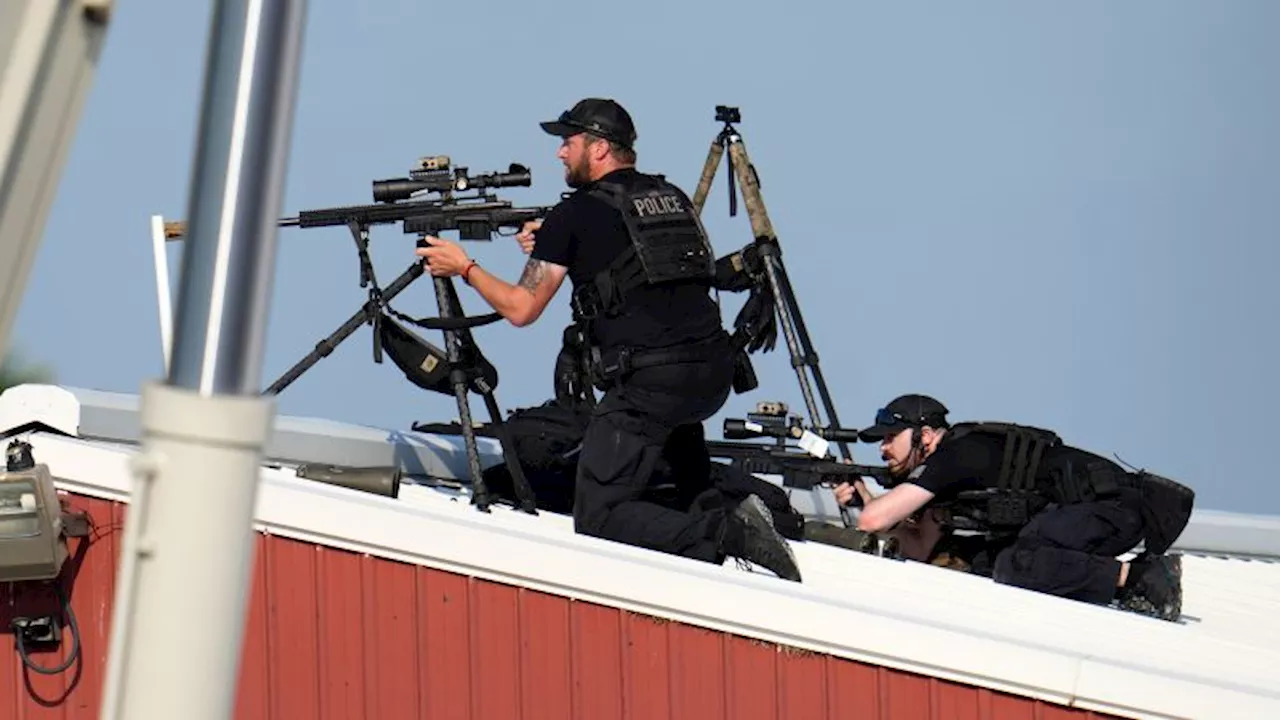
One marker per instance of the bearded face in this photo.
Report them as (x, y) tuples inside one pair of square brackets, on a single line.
[(577, 161)]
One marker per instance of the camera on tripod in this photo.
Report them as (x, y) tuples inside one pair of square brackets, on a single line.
[(433, 173), (727, 114)]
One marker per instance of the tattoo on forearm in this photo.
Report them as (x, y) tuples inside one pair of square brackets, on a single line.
[(534, 270)]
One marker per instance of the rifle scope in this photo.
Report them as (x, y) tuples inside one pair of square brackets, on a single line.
[(739, 429), (441, 180)]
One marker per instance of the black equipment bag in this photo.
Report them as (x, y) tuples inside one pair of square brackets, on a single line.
[(1166, 510)]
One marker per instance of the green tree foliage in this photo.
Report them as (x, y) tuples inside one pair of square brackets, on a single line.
[(15, 371)]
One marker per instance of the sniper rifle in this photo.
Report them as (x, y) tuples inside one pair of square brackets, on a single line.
[(460, 367), (802, 467)]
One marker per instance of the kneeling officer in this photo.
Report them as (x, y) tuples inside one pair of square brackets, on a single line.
[(1054, 517), (641, 266)]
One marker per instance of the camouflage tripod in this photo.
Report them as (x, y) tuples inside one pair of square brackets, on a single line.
[(766, 243)]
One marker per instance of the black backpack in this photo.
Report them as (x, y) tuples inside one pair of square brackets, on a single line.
[(547, 439)]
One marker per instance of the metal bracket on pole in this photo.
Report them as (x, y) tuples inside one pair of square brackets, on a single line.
[(186, 563)]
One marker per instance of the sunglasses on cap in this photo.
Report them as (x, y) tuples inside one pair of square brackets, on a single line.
[(885, 416), (888, 418)]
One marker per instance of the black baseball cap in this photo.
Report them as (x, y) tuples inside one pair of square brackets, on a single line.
[(903, 412), (598, 116)]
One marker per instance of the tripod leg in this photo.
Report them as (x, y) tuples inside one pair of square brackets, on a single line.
[(364, 315), (761, 226), (708, 175), (762, 229), (524, 492), (798, 360), (810, 355), (447, 301)]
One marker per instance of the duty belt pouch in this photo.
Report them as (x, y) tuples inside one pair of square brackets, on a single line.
[(585, 303), (609, 367), (572, 380), (1008, 509)]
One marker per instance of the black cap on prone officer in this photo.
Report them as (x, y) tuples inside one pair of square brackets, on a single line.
[(906, 411)]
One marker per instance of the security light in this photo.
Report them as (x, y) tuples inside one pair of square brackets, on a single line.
[(33, 545)]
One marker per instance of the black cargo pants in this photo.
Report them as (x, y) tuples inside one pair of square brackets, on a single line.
[(651, 416), (1071, 550)]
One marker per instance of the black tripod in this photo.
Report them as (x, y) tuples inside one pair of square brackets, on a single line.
[(770, 253), (455, 371)]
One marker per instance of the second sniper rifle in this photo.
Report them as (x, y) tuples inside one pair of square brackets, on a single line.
[(460, 367), (804, 467)]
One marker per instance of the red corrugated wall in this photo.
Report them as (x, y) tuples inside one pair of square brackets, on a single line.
[(342, 636)]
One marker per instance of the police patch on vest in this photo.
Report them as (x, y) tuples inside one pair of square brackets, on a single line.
[(657, 204), (667, 236)]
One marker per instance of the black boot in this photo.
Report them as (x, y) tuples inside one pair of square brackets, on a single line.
[(749, 535), (1153, 587)]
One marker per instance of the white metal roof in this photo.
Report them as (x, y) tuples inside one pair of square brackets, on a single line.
[(914, 617)]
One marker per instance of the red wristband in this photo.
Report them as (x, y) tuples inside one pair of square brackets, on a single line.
[(466, 272)]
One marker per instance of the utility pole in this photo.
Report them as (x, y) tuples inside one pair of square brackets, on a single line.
[(185, 569)]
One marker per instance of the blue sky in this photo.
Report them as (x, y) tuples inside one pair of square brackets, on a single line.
[(1061, 215)]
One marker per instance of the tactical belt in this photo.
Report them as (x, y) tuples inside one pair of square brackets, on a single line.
[(615, 364)]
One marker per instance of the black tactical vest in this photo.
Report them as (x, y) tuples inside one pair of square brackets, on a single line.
[(1036, 469), (668, 244)]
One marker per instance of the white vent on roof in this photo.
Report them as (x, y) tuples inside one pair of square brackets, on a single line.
[(53, 407)]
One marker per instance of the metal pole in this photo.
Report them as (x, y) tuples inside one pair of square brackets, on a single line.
[(184, 578), (48, 62), (228, 260)]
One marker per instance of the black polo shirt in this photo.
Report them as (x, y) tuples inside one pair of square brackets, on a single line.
[(971, 462), (585, 235)]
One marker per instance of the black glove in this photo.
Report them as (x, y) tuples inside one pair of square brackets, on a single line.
[(758, 319), (740, 271)]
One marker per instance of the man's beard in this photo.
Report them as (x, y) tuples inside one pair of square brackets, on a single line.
[(575, 176), (897, 469)]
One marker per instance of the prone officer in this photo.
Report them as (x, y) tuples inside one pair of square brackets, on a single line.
[(641, 267), (1053, 517)]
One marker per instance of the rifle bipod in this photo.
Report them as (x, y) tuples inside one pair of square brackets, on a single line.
[(770, 253), (460, 368)]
